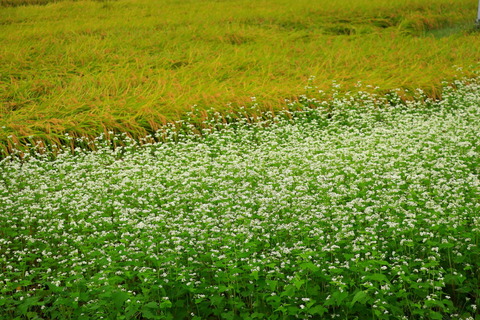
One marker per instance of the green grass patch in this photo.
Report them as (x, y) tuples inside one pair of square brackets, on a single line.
[(86, 67), (363, 208)]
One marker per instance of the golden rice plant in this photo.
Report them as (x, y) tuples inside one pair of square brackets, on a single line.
[(88, 67)]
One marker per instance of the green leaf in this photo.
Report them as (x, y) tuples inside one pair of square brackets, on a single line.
[(289, 291), (446, 245), (274, 301), (222, 288), (272, 284), (228, 315), (435, 315), (217, 301), (378, 277), (119, 297), (148, 314), (298, 283), (23, 308), (464, 289), (360, 296), (165, 304), (336, 298), (152, 305), (309, 266), (317, 310)]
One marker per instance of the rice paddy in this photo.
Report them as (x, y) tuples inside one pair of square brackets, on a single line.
[(89, 67)]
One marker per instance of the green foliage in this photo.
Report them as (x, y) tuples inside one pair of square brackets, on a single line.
[(364, 207)]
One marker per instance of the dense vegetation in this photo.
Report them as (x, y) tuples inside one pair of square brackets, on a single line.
[(366, 207), (237, 159), (87, 67)]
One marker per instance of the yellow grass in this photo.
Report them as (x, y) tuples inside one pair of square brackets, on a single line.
[(86, 67)]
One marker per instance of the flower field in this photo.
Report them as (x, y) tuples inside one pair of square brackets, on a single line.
[(365, 207)]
